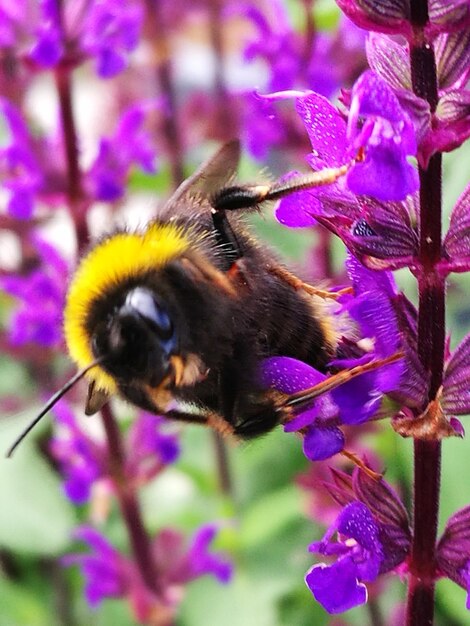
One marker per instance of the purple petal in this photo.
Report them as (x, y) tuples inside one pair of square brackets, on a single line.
[(390, 60), (289, 375), (385, 174), (297, 210), (322, 442), (356, 521), (202, 562), (457, 240), (448, 16), (453, 58), (359, 399), (386, 16), (455, 389), (336, 586), (325, 127)]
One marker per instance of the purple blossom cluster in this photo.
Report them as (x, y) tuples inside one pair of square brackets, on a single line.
[(388, 125)]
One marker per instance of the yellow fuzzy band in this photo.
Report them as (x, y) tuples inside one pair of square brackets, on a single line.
[(121, 256)]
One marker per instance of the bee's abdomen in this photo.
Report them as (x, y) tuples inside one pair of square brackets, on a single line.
[(298, 328)]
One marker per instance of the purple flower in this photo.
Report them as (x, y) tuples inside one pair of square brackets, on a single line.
[(453, 550), (106, 571), (82, 461), (130, 144), (447, 126), (179, 564), (19, 171), (372, 306), (201, 562), (110, 32), (373, 537), (40, 294), (48, 48), (378, 123), (382, 235), (322, 436), (340, 586), (150, 448)]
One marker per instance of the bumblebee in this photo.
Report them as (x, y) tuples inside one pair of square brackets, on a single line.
[(176, 318)]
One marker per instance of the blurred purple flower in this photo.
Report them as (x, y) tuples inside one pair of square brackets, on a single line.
[(41, 296), (150, 448), (131, 144), (373, 537), (48, 47), (201, 562), (19, 171), (111, 31), (82, 461), (106, 571), (49, 32)]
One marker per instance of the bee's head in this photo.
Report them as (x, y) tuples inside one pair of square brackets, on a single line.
[(136, 339)]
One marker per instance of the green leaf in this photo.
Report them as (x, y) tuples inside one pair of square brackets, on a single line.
[(22, 606), (269, 516), (35, 515)]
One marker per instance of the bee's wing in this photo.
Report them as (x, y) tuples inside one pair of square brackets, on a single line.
[(217, 172)]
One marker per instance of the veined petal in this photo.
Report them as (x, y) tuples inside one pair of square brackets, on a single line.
[(387, 16), (390, 60), (455, 389), (452, 58)]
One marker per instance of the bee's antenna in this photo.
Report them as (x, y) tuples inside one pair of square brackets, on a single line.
[(51, 402)]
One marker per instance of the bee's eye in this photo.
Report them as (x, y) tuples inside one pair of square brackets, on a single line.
[(143, 302)]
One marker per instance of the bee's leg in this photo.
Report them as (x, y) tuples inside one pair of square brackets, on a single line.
[(211, 418), (296, 283), (225, 235), (238, 197)]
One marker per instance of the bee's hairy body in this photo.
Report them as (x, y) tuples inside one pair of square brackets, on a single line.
[(181, 322)]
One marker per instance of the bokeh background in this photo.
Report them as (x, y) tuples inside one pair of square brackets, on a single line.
[(193, 70)]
